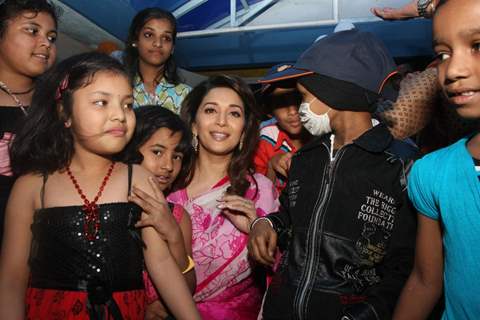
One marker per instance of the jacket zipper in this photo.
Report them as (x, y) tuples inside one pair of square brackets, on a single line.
[(306, 279)]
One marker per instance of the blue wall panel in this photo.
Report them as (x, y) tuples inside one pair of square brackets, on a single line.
[(258, 48)]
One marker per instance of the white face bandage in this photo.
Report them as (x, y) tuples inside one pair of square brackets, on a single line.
[(317, 125)]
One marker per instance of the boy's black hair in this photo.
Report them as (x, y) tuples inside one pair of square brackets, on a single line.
[(270, 101), (131, 53), (10, 9), (43, 144), (150, 119)]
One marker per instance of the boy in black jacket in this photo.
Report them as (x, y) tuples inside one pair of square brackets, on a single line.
[(350, 227)]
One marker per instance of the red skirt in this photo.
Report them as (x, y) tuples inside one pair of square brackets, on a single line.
[(72, 305)]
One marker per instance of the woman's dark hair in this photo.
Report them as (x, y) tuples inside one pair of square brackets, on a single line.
[(10, 9), (43, 144), (241, 165), (131, 57), (149, 120)]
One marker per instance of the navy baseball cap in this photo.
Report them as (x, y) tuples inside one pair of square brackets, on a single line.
[(352, 56), (268, 87)]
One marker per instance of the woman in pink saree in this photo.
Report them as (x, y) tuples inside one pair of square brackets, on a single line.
[(224, 197)]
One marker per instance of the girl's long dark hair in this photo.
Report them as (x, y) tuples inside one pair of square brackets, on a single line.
[(10, 9), (241, 166), (149, 120), (131, 56), (43, 144)]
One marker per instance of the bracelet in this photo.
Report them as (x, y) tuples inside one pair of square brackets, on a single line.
[(190, 266), (260, 219), (422, 8)]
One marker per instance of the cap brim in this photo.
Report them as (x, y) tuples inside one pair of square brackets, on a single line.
[(289, 73)]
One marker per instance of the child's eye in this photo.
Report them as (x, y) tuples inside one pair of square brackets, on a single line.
[(52, 38), (100, 103), (178, 157), (476, 46), (128, 105), (442, 56), (167, 39), (157, 152), (31, 30), (147, 34)]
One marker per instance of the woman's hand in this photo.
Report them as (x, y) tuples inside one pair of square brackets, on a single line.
[(262, 243), (157, 213), (240, 211)]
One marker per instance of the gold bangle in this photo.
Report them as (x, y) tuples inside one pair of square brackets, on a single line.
[(190, 266)]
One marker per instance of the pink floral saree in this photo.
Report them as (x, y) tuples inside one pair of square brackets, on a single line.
[(225, 286)]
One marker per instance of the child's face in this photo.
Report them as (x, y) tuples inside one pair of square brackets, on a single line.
[(102, 119), (28, 44), (284, 104), (219, 121), (456, 31), (161, 157), (155, 42)]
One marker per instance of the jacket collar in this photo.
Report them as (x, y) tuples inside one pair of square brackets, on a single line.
[(284, 139), (375, 140)]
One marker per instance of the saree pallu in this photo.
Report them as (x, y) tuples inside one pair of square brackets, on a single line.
[(225, 285)]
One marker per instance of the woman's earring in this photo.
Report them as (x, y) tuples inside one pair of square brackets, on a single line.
[(134, 45), (195, 142), (240, 145)]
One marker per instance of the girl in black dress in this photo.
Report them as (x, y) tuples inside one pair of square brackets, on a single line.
[(71, 246)]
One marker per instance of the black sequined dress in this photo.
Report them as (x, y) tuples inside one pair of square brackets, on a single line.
[(76, 278)]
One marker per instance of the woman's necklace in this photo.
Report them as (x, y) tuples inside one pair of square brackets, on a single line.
[(90, 209), (4, 87)]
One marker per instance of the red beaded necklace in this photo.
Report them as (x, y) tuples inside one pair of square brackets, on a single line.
[(90, 208)]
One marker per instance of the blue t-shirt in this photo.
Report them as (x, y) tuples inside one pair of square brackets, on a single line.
[(444, 186)]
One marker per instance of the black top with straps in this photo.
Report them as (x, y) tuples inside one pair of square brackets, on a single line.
[(62, 258), (10, 121), (10, 118)]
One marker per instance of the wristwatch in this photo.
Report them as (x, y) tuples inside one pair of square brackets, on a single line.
[(422, 8)]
